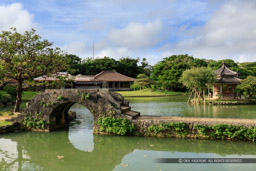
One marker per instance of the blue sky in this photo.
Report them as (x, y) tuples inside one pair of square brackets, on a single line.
[(213, 29)]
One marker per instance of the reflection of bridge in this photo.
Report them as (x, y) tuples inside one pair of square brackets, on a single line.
[(53, 105), (108, 151)]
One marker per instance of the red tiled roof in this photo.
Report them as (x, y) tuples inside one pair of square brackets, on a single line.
[(113, 76)]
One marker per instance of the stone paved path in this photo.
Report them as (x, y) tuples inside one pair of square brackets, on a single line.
[(202, 121)]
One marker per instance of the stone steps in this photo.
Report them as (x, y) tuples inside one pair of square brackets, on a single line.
[(132, 114), (125, 109)]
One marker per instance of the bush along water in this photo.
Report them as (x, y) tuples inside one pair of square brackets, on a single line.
[(216, 132), (36, 122), (116, 126)]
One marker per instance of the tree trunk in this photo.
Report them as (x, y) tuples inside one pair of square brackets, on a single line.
[(18, 96), (198, 97), (190, 97)]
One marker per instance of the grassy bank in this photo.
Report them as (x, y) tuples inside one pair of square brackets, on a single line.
[(5, 112), (4, 123), (28, 95), (148, 93)]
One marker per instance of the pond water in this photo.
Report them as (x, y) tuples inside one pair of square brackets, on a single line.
[(76, 148), (177, 106)]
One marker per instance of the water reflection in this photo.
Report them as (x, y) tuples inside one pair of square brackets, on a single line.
[(80, 130), (177, 106), (42, 150), (13, 157), (78, 149)]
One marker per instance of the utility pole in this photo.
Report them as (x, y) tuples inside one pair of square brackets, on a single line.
[(93, 50)]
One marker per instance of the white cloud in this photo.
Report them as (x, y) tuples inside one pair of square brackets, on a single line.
[(15, 16), (77, 48), (137, 35), (230, 33)]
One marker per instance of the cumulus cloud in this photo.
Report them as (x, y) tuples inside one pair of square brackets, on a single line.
[(229, 33), (77, 48), (137, 35), (15, 16)]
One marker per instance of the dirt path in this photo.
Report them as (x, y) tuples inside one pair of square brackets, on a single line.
[(2, 118)]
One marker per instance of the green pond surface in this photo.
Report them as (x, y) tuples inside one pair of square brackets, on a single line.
[(76, 148), (177, 106)]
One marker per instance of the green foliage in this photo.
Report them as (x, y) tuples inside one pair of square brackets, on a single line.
[(5, 98), (89, 66), (135, 86), (26, 56), (87, 96), (197, 78), (11, 90), (178, 128), (168, 71), (60, 98), (248, 86), (115, 125), (219, 131), (143, 81), (36, 122), (83, 96)]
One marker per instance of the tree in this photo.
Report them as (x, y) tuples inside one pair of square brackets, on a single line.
[(25, 56), (143, 81), (74, 63), (248, 86), (129, 67), (196, 80), (168, 71)]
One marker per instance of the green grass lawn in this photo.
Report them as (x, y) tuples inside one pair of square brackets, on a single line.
[(4, 123), (148, 93), (6, 111), (28, 95)]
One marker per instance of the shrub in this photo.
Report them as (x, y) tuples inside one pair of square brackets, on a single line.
[(10, 90), (5, 98), (35, 122), (59, 98), (115, 125)]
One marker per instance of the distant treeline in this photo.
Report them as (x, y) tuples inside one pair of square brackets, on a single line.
[(165, 74)]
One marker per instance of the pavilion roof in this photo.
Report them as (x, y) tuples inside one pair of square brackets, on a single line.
[(228, 80), (225, 71)]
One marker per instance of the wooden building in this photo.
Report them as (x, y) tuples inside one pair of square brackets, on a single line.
[(225, 84), (105, 79)]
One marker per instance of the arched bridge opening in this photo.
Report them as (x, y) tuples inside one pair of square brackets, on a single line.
[(53, 105)]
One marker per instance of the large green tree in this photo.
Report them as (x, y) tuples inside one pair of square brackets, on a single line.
[(168, 71), (26, 56), (196, 80), (248, 86)]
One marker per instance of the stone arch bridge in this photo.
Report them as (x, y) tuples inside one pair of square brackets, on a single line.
[(53, 105)]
